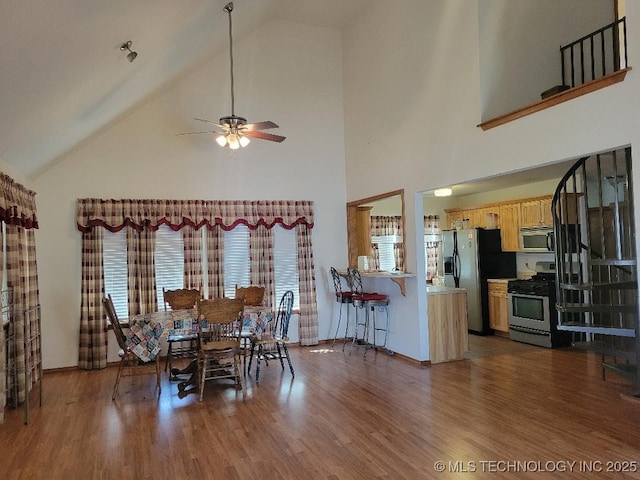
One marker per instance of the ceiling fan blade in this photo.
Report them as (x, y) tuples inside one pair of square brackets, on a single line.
[(266, 136), (196, 133), (212, 123), (251, 127)]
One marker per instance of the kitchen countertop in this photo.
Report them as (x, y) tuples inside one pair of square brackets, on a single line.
[(500, 280), (440, 290)]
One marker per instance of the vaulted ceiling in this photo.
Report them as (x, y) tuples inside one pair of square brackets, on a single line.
[(63, 77)]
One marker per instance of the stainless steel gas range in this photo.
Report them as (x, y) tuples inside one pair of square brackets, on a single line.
[(532, 314)]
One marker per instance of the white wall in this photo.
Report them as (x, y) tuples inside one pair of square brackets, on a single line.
[(412, 103), (288, 73)]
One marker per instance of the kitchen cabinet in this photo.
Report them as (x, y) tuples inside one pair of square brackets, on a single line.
[(491, 217), (498, 306), (476, 218), (536, 213), (510, 215), (454, 216), (363, 231), (448, 323), (510, 226)]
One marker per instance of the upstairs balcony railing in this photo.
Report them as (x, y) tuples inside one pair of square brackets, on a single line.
[(595, 55)]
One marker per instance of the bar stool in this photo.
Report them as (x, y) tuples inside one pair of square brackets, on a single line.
[(370, 302), (343, 298)]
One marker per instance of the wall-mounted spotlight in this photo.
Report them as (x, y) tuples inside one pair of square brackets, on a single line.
[(131, 56)]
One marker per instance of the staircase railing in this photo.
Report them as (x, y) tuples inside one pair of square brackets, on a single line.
[(595, 55), (596, 261)]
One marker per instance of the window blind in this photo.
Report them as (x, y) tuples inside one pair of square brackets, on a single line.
[(285, 258), (236, 260), (169, 259)]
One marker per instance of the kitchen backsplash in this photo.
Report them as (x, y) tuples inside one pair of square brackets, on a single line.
[(526, 262)]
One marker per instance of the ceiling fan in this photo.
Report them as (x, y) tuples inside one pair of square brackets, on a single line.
[(233, 131)]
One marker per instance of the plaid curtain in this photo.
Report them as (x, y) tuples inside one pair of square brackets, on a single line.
[(18, 212), (261, 267), (386, 225), (3, 353), (215, 262), (431, 227), (374, 259), (145, 216), (308, 321), (192, 241), (22, 277), (398, 255), (93, 326), (141, 272)]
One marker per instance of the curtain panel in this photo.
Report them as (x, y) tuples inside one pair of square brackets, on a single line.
[(432, 227), (18, 212), (114, 215)]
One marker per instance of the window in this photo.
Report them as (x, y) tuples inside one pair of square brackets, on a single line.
[(285, 258), (386, 255), (169, 263), (236, 260), (114, 260), (286, 264), (169, 260)]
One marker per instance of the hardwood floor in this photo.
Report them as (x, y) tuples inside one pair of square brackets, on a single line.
[(339, 418)]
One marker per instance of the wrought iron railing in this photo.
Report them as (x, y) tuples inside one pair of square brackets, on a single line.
[(595, 55)]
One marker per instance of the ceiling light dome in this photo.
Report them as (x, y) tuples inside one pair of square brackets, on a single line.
[(442, 192)]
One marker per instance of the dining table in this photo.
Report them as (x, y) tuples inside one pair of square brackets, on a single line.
[(146, 330)]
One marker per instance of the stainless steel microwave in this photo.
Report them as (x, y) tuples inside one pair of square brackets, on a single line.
[(536, 239)]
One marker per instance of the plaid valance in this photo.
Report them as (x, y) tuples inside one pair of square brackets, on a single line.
[(386, 225), (17, 204), (114, 215)]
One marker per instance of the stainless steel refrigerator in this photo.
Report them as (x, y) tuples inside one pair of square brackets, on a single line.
[(469, 257)]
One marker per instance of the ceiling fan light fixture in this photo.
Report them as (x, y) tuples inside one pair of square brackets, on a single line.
[(221, 140), (232, 141), (233, 131)]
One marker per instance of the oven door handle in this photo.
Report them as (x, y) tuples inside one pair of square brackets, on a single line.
[(534, 331)]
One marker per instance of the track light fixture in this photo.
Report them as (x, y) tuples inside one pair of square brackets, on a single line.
[(131, 56)]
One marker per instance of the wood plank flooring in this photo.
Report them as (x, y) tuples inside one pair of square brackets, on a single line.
[(340, 418)]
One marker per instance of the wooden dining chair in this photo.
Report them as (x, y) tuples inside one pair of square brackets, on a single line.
[(253, 295), (180, 346), (272, 343), (219, 340), (130, 364)]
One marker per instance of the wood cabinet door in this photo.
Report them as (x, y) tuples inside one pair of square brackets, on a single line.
[(453, 217), (498, 308), (530, 213), (545, 212), (494, 307), (510, 227), (476, 218), (495, 212)]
